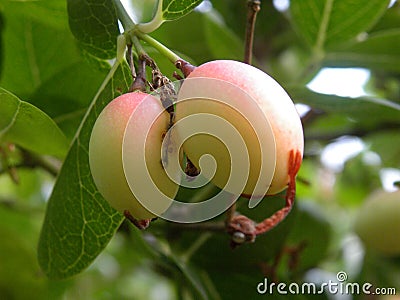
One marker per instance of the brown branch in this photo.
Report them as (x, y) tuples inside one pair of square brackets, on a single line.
[(254, 7), (30, 161)]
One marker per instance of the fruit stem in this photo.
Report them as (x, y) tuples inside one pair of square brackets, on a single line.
[(254, 7), (165, 51), (123, 16), (139, 48), (139, 84)]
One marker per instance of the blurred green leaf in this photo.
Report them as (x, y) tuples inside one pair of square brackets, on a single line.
[(216, 254), (310, 237), (18, 268), (65, 96), (95, 25), (326, 24), (221, 41), (24, 124), (380, 271), (79, 222), (362, 108), (380, 51), (208, 41), (33, 51), (356, 181), (383, 144), (167, 262), (390, 20), (174, 9), (50, 13)]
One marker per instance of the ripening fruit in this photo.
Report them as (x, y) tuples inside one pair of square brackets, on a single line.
[(106, 146), (378, 222), (258, 108)]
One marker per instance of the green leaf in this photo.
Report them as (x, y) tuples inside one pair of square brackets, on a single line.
[(380, 51), (174, 9), (18, 266), (382, 143), (24, 124), (216, 253), (390, 20), (79, 222), (357, 180), (65, 96), (326, 23), (221, 41), (361, 108), (51, 13), (33, 52), (312, 231), (1, 42), (95, 25)]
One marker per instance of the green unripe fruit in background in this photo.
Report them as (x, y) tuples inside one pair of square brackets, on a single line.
[(378, 222)]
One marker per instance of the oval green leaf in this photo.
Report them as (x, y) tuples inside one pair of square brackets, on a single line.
[(379, 51), (29, 127), (95, 25), (325, 24), (79, 222), (364, 108)]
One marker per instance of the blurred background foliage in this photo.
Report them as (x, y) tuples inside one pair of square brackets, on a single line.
[(352, 149)]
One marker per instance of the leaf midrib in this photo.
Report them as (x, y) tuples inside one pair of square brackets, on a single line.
[(13, 120), (323, 28)]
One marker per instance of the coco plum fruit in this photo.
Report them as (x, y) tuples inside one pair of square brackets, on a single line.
[(260, 111), (378, 222), (106, 147)]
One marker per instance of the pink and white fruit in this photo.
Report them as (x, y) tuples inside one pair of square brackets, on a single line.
[(260, 110), (378, 222), (106, 147)]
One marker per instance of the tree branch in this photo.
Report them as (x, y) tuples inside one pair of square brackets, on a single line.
[(254, 7)]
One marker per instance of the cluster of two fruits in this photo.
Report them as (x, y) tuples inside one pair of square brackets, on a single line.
[(217, 97)]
